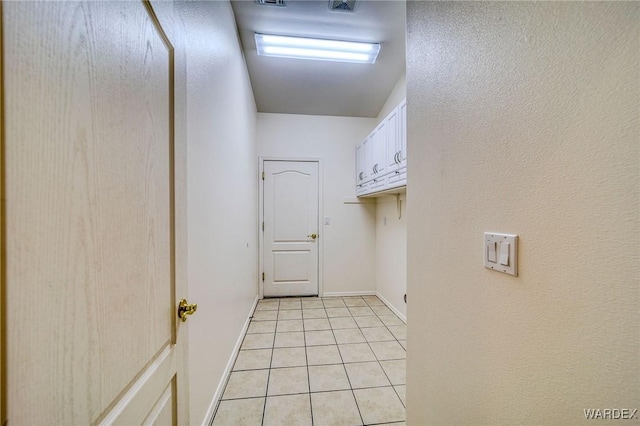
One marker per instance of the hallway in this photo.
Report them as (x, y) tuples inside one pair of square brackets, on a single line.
[(320, 361)]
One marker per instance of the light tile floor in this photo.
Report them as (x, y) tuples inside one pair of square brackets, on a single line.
[(318, 361)]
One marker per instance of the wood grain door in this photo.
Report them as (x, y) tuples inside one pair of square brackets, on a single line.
[(291, 228), (91, 328)]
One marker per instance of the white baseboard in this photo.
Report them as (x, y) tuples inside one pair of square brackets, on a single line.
[(348, 293), (208, 419), (393, 308)]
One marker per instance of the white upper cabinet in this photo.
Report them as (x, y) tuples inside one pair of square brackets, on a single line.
[(381, 159)]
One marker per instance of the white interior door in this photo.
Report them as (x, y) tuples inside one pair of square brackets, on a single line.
[(91, 328), (290, 228)]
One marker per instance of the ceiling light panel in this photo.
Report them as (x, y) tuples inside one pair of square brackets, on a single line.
[(318, 49)]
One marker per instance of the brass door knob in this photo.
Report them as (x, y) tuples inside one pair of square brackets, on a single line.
[(185, 309), (313, 236)]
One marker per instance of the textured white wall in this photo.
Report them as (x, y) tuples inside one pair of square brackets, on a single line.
[(221, 126), (349, 242), (391, 238), (523, 118)]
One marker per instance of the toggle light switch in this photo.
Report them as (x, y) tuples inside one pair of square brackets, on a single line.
[(501, 252), (491, 251), (504, 253)]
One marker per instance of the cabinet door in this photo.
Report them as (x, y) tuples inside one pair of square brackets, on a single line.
[(380, 150), (368, 158), (393, 139), (360, 163), (402, 125)]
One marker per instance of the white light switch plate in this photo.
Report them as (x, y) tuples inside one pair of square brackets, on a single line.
[(505, 253)]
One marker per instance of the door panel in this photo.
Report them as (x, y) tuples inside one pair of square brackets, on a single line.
[(163, 413), (291, 205), (91, 324), (290, 217), (145, 400), (292, 265)]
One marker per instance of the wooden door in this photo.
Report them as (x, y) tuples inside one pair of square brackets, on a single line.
[(90, 278), (290, 215)]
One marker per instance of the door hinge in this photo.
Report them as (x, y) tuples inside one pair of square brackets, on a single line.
[(262, 175), (263, 276), (263, 226)]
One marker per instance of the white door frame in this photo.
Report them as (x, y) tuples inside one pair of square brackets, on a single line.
[(3, 367), (261, 161)]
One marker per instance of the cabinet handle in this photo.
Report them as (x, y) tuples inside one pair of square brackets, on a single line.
[(398, 157), (397, 172)]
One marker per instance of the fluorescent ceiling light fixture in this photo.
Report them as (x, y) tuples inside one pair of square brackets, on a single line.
[(314, 48)]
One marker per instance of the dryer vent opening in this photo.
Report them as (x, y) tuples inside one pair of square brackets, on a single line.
[(272, 2), (342, 5)]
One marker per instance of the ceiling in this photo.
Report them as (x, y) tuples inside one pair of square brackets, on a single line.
[(296, 86)]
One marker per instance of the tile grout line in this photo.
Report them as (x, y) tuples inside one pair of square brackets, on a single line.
[(345, 368), (273, 344), (215, 412), (371, 349), (320, 391), (383, 370), (306, 357), (376, 356)]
